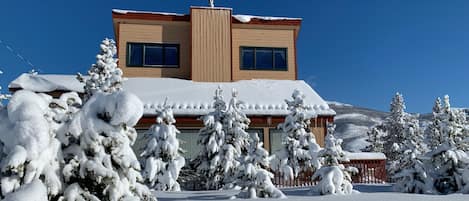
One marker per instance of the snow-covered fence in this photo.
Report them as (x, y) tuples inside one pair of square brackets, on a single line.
[(303, 179), (371, 170), (371, 167)]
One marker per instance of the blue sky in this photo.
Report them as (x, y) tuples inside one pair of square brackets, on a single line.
[(359, 52)]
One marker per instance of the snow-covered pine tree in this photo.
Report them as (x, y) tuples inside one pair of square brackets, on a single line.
[(254, 175), (334, 178), (211, 140), (32, 151), (375, 138), (161, 159), (104, 75), (100, 164), (434, 132), (448, 160), (299, 151), (395, 126), (235, 123), (411, 176)]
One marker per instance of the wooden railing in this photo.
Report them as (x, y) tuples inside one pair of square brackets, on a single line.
[(370, 171)]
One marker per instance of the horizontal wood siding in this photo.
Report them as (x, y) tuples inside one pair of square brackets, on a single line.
[(211, 44), (164, 32), (263, 36)]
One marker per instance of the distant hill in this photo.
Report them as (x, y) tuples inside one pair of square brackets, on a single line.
[(353, 122)]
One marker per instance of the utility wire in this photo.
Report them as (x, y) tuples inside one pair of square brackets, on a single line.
[(22, 58)]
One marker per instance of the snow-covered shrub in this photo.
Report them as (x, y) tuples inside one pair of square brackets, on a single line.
[(211, 140), (235, 123), (411, 175), (99, 161), (334, 178), (34, 191), (104, 75), (31, 150), (161, 159), (254, 175), (299, 148)]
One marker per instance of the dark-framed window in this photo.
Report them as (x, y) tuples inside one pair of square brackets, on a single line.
[(276, 141), (153, 55), (263, 58)]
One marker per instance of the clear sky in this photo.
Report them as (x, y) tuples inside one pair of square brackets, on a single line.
[(355, 51)]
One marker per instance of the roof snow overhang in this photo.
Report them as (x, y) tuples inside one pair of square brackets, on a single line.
[(189, 98)]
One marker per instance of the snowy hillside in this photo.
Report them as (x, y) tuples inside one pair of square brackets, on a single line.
[(353, 122)]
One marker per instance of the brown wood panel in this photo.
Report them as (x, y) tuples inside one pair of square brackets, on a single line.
[(263, 36), (211, 44), (153, 32)]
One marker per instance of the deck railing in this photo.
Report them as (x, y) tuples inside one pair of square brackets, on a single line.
[(370, 171)]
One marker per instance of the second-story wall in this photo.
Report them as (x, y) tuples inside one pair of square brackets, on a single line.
[(263, 36), (142, 31), (211, 44)]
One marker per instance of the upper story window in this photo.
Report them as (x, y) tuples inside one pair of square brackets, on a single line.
[(263, 58), (152, 55)]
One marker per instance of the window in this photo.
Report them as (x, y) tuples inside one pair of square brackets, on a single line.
[(275, 140), (152, 55), (263, 58), (188, 142)]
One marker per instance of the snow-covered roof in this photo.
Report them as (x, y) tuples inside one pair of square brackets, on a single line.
[(365, 156), (240, 18), (248, 18), (261, 97), (121, 11)]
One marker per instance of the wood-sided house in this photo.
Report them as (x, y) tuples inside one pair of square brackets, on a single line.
[(185, 57)]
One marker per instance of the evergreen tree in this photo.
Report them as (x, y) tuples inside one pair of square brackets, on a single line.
[(375, 138), (211, 140), (448, 160), (235, 123), (395, 126), (254, 175), (104, 76), (434, 132), (411, 176), (100, 164), (334, 178), (299, 151), (32, 153), (162, 159)]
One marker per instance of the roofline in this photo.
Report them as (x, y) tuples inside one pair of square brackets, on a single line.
[(186, 17)]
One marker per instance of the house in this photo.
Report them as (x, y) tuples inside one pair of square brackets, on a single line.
[(185, 57)]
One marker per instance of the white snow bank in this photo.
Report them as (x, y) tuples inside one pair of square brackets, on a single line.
[(121, 11), (368, 193), (186, 97), (248, 18), (365, 155), (35, 191)]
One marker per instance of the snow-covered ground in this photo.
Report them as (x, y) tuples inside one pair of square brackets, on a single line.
[(368, 193)]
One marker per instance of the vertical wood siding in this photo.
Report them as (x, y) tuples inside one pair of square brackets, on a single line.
[(211, 44), (162, 32)]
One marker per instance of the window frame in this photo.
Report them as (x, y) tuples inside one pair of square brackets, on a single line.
[(162, 45), (253, 67)]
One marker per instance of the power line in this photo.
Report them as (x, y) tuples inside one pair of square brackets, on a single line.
[(17, 54)]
